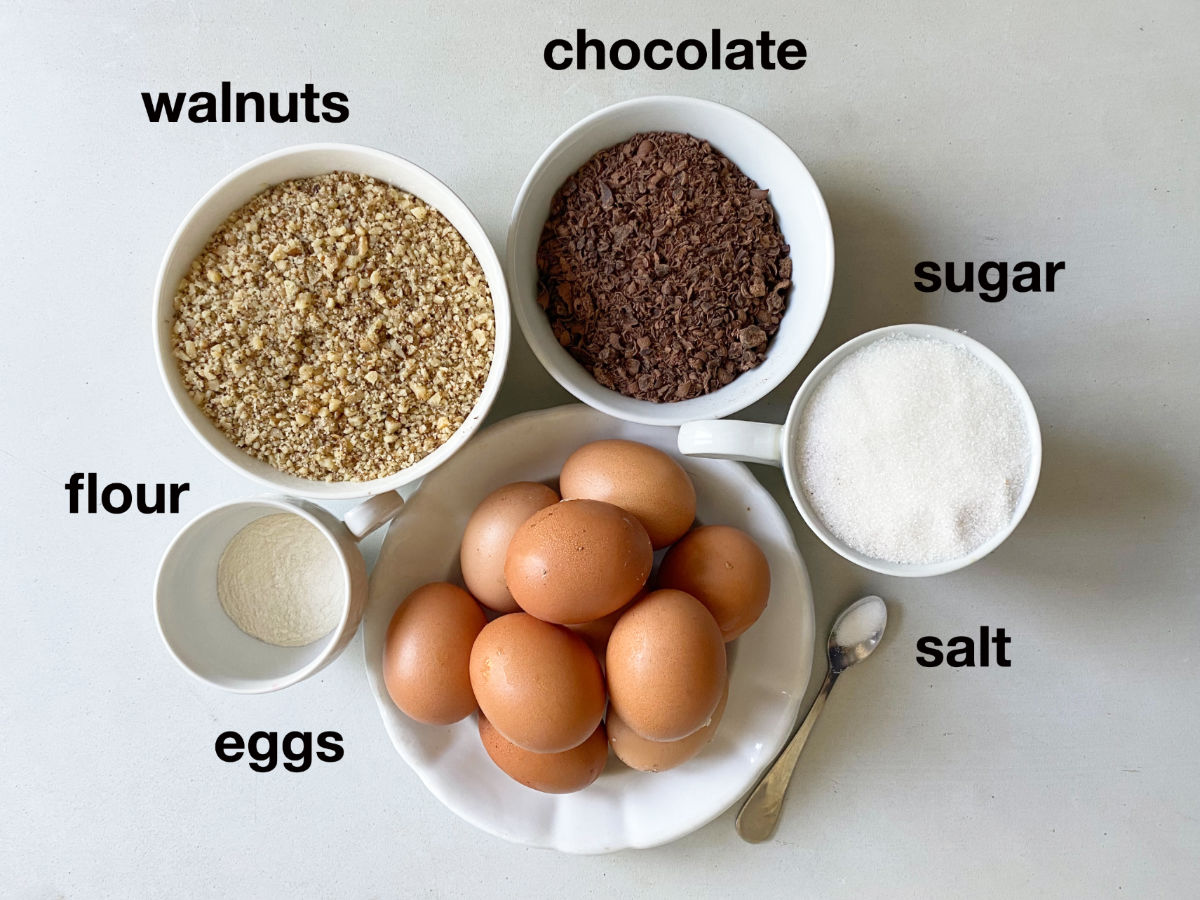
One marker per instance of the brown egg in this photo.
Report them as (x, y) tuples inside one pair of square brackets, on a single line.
[(665, 666), (725, 570), (638, 478), (489, 530), (658, 756), (577, 561), (427, 653), (537, 683), (597, 632), (551, 773)]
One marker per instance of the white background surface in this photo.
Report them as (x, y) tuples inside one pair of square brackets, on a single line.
[(941, 130)]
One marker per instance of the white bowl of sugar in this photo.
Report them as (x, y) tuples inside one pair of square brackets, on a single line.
[(911, 450)]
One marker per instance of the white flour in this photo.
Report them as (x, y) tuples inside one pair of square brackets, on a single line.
[(281, 581)]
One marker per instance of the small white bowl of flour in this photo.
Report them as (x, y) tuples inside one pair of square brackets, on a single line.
[(911, 450), (256, 595)]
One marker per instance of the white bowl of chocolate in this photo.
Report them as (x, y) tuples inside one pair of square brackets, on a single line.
[(669, 259)]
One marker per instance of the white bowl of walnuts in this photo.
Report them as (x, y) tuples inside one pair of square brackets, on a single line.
[(331, 321)]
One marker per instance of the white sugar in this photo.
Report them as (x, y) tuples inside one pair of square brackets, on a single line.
[(913, 450)]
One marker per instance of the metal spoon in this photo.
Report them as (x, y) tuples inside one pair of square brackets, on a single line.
[(854, 635)]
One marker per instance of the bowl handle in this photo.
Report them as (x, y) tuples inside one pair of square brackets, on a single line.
[(757, 442), (372, 513)]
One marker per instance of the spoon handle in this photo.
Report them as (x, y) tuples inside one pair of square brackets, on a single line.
[(760, 813)]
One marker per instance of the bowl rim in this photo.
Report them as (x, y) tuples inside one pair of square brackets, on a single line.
[(580, 383), (328, 653), (233, 456), (818, 375)]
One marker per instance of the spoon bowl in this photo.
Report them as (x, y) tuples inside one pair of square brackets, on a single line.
[(856, 632)]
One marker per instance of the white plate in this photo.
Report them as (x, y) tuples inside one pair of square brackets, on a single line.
[(769, 665)]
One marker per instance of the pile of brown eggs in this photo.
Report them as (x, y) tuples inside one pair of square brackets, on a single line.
[(582, 653)]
